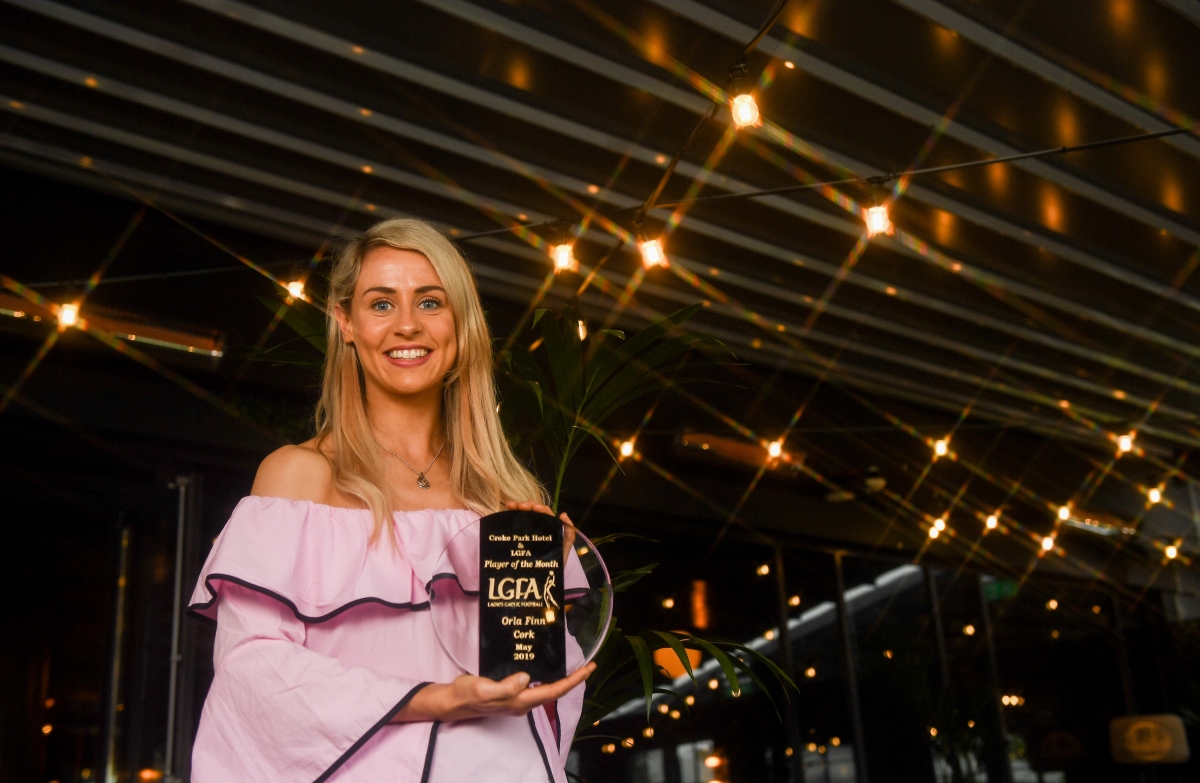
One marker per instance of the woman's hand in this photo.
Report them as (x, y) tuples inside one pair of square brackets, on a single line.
[(568, 526), (478, 697)]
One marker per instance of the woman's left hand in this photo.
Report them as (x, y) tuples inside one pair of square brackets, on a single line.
[(568, 526)]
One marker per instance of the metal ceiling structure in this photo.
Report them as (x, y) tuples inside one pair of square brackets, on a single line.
[(1052, 294)]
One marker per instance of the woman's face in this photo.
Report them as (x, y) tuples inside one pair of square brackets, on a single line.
[(401, 323)]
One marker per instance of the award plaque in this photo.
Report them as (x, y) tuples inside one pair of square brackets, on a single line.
[(522, 625), (503, 598)]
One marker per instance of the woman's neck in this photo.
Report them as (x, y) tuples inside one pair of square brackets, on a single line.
[(411, 426)]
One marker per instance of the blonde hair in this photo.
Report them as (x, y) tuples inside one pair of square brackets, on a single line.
[(484, 472)]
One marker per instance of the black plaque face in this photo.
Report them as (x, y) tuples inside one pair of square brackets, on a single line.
[(521, 618)]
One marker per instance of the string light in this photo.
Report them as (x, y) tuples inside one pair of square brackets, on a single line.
[(712, 762), (668, 603), (940, 523), (1154, 495), (564, 258), (775, 449), (296, 288), (1052, 604), (742, 107), (794, 600), (941, 447), (878, 221), (583, 330), (627, 449), (992, 522), (1171, 551), (933, 532), (1047, 544), (68, 315), (810, 672), (713, 684), (764, 569), (969, 630), (1064, 513), (1125, 443), (648, 732), (652, 253)]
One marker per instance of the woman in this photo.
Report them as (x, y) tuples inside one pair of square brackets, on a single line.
[(327, 664)]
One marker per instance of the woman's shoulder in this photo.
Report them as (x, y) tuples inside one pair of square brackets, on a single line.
[(301, 472)]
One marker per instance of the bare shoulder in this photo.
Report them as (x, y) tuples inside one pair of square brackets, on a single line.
[(298, 472)]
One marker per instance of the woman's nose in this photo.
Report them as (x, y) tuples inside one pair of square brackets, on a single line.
[(406, 322)]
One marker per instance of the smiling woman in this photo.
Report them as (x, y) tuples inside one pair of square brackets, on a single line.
[(327, 665)]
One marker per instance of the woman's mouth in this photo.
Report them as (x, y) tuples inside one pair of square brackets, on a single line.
[(408, 357)]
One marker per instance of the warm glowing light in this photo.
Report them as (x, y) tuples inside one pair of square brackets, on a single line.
[(712, 762), (1004, 699), (627, 449), (668, 603), (1064, 513), (627, 742), (150, 774), (970, 724), (810, 672), (1047, 543), (794, 600), (675, 714), (789, 65), (1095, 608), (367, 169), (992, 522), (564, 258), (1052, 604), (932, 732), (1171, 551), (933, 532), (296, 288), (689, 700), (836, 741), (763, 569), (47, 729), (787, 752), (700, 604), (549, 615), (1125, 443), (940, 524), (593, 189), (887, 654), (775, 449), (812, 747), (941, 447), (744, 110), (583, 330), (583, 550), (969, 630), (68, 315), (652, 253), (878, 221), (648, 732), (1154, 495), (609, 748), (713, 684), (49, 703), (663, 708), (769, 635)]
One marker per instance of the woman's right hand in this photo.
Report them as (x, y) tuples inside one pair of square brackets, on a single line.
[(469, 696)]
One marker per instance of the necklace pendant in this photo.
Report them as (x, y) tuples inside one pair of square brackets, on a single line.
[(423, 482)]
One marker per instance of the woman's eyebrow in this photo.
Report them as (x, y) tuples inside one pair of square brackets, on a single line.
[(381, 289), (427, 288)]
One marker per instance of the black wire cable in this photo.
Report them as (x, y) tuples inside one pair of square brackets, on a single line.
[(876, 180)]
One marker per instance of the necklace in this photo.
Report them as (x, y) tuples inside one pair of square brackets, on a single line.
[(422, 482)]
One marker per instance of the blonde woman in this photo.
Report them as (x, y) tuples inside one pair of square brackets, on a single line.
[(327, 665)]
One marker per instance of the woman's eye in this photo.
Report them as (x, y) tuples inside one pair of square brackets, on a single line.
[(429, 304), (381, 305)]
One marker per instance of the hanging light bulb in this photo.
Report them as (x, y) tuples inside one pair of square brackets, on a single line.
[(1171, 551), (68, 315), (775, 449), (652, 253), (296, 288), (993, 521), (1125, 443), (627, 448), (1154, 495), (933, 532), (940, 523), (742, 107), (941, 447), (564, 258), (1047, 544), (878, 221), (1064, 513)]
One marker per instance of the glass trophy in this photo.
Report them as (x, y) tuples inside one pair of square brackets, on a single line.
[(503, 598)]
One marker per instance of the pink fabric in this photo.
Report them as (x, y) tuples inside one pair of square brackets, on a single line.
[(322, 638)]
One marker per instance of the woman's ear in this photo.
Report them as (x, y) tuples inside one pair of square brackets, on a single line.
[(343, 322)]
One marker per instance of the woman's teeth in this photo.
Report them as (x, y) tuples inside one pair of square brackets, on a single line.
[(409, 353)]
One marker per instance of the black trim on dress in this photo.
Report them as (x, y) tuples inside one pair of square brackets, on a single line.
[(541, 748), (385, 720), (429, 751), (195, 609)]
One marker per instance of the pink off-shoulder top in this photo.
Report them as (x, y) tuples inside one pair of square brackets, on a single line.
[(323, 638)]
